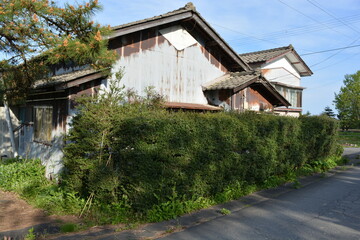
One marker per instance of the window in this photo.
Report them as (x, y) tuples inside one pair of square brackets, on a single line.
[(25, 114), (43, 123), (294, 96)]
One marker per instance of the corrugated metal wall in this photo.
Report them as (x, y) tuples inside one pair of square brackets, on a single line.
[(149, 59)]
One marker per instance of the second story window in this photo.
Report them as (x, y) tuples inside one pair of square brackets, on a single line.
[(294, 96)]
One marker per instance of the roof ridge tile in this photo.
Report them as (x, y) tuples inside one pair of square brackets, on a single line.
[(289, 47), (188, 7)]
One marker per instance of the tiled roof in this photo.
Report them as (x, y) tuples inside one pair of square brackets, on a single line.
[(64, 77), (265, 55), (231, 80), (187, 8)]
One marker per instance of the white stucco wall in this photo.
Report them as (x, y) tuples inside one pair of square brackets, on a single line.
[(281, 71), (281, 75)]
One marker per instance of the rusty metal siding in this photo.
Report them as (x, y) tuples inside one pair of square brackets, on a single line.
[(238, 100), (256, 102), (148, 39), (131, 43), (154, 61)]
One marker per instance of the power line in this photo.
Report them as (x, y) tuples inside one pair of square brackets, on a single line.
[(247, 35), (317, 5), (330, 50), (251, 36), (342, 60), (315, 20), (306, 29), (290, 74), (339, 51)]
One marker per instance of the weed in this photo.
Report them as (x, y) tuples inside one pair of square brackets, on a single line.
[(172, 229), (128, 226), (343, 168), (27, 178), (176, 206), (30, 235), (69, 227), (235, 191), (225, 211), (297, 184)]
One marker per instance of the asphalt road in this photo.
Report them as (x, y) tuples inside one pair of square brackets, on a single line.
[(327, 209)]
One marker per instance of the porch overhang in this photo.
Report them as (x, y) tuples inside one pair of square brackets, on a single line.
[(240, 80)]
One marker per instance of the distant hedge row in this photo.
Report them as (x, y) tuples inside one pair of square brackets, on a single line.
[(141, 157)]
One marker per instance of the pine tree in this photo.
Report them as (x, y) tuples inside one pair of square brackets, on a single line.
[(37, 33), (329, 112)]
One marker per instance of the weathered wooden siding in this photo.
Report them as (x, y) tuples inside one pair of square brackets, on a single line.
[(50, 153), (150, 59)]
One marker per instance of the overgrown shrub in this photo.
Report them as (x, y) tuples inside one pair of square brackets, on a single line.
[(140, 160), (136, 159)]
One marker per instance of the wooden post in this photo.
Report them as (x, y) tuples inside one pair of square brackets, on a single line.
[(9, 123)]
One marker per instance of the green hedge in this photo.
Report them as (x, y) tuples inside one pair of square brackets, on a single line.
[(139, 158)]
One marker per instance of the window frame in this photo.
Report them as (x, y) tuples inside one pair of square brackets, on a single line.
[(292, 95), (43, 134)]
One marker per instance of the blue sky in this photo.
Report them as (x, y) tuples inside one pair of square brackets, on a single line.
[(253, 25)]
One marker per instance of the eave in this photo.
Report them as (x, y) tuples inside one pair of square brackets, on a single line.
[(239, 81), (293, 57)]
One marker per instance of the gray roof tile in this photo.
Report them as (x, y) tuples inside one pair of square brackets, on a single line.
[(231, 80), (188, 7), (265, 55), (64, 78)]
